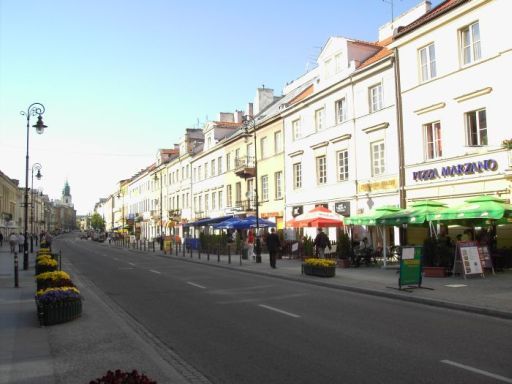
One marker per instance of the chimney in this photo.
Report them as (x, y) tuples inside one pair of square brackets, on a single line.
[(250, 111), (239, 117), (264, 97), (226, 117)]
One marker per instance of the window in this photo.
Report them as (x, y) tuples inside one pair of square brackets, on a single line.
[(321, 170), (229, 201), (182, 173), (297, 175), (377, 152), (214, 199), (342, 157), (319, 119), (195, 174), (264, 188), (476, 125), (188, 171), (279, 184), (263, 147), (177, 202), (206, 202), (199, 172), (375, 94), (250, 190), (296, 133), (237, 156), (250, 150), (219, 165), (328, 68), (278, 142), (432, 139), (205, 170), (470, 39), (338, 63), (212, 170), (428, 62), (220, 199), (238, 192), (200, 203), (228, 162), (341, 110)]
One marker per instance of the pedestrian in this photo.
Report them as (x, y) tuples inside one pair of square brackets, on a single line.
[(13, 241), (21, 242), (250, 244), (321, 242), (273, 246), (1, 239)]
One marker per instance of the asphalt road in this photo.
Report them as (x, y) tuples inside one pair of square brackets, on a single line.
[(235, 327)]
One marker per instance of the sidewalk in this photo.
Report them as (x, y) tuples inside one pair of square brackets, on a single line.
[(78, 351), (491, 295)]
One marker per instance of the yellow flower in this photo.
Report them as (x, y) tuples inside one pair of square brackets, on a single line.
[(47, 261), (320, 262), (56, 275)]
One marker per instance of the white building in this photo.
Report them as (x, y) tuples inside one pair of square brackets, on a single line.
[(454, 75)]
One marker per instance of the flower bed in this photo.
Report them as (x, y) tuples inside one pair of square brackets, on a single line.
[(319, 267), (45, 263), (53, 279), (58, 305)]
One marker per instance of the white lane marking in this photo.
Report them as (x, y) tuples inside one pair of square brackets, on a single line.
[(152, 270), (126, 268), (195, 285), (116, 259), (479, 371), (278, 310), (133, 265)]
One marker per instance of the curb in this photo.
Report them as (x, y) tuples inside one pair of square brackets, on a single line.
[(365, 291)]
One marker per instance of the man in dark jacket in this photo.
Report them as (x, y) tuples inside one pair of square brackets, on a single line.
[(321, 241), (273, 245)]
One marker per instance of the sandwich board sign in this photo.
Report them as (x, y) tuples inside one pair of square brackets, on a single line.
[(410, 266)]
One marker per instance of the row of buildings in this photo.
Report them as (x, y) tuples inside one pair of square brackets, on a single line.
[(44, 215), (419, 114)]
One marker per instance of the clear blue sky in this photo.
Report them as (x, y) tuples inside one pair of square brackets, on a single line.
[(120, 79)]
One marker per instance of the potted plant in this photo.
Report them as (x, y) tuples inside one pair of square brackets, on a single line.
[(45, 263), (53, 280), (120, 377), (58, 305), (319, 267), (436, 258), (343, 250)]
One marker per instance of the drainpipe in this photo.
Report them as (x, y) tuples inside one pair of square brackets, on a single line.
[(400, 130)]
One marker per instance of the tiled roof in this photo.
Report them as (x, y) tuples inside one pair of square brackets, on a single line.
[(384, 52), (227, 124), (305, 93), (431, 15)]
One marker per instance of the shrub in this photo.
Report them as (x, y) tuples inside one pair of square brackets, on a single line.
[(320, 262), (119, 377)]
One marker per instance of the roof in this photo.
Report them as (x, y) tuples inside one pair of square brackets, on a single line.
[(301, 96), (434, 13), (229, 124), (384, 52)]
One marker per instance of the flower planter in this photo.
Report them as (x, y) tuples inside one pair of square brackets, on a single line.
[(434, 272), (44, 268), (56, 313), (318, 271)]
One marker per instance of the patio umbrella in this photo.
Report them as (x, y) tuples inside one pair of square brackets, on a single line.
[(416, 214), (479, 208), (227, 224), (250, 222), (317, 217), (371, 217)]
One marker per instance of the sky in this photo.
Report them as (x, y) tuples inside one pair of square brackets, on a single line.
[(120, 79)]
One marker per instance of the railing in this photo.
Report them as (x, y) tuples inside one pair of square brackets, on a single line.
[(246, 205), (244, 162)]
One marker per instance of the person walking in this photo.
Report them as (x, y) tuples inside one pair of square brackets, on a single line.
[(250, 244), (321, 242), (21, 242), (13, 242), (273, 245)]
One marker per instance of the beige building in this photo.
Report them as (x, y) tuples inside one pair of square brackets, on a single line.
[(10, 199)]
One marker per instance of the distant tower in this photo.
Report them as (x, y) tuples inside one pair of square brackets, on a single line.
[(66, 195)]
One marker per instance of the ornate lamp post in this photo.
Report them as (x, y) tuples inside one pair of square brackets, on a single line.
[(33, 110), (160, 204), (250, 124), (35, 166)]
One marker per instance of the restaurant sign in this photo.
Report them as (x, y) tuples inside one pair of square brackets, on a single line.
[(462, 169), (342, 208)]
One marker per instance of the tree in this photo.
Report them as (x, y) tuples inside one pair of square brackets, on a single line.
[(97, 222)]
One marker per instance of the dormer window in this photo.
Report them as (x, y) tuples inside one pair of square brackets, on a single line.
[(338, 64), (328, 68)]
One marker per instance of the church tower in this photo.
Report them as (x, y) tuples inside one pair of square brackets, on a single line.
[(66, 195)]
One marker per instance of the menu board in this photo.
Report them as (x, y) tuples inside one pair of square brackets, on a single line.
[(485, 257), (470, 258), (410, 266)]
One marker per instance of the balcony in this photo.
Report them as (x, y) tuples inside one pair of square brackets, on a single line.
[(248, 205), (245, 167)]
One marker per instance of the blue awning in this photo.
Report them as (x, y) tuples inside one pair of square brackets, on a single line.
[(207, 221)]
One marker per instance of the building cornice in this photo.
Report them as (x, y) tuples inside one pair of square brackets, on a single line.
[(471, 95), (377, 127), (430, 108)]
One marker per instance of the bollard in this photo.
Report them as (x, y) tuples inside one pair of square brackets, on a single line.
[(190, 252), (208, 254), (218, 254), (153, 245), (229, 255), (176, 252), (183, 248), (199, 253), (16, 275)]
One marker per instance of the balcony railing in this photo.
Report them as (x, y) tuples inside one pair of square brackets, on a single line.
[(245, 205), (245, 166)]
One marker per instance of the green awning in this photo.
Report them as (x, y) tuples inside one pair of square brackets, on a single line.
[(480, 208), (371, 217), (416, 214)]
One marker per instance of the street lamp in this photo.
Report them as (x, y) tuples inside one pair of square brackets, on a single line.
[(35, 166), (33, 110), (160, 204), (250, 124)]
